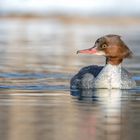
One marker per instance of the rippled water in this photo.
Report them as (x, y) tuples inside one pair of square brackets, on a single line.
[(37, 60)]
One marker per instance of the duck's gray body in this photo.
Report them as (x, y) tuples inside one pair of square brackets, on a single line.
[(108, 77)]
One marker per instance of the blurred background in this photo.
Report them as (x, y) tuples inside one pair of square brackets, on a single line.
[(43, 35)]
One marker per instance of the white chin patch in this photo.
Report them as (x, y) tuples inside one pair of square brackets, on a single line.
[(100, 53)]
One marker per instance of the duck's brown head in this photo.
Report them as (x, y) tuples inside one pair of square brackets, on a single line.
[(110, 46)]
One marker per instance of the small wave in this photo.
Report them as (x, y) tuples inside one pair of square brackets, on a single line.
[(33, 81), (34, 75), (36, 87)]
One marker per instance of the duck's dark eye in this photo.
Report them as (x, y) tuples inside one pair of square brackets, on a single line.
[(103, 46)]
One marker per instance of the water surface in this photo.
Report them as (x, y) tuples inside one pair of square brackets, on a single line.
[(37, 61)]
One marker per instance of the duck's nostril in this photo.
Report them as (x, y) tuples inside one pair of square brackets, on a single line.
[(77, 52)]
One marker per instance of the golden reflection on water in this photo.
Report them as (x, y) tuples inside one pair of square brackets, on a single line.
[(114, 115)]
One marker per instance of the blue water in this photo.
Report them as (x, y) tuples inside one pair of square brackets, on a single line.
[(38, 77)]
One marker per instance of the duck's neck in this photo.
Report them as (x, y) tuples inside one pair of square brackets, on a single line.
[(110, 66), (113, 60)]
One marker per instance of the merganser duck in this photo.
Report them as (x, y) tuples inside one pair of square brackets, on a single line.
[(112, 75)]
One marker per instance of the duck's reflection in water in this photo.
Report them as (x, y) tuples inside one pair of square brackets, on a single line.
[(113, 113)]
